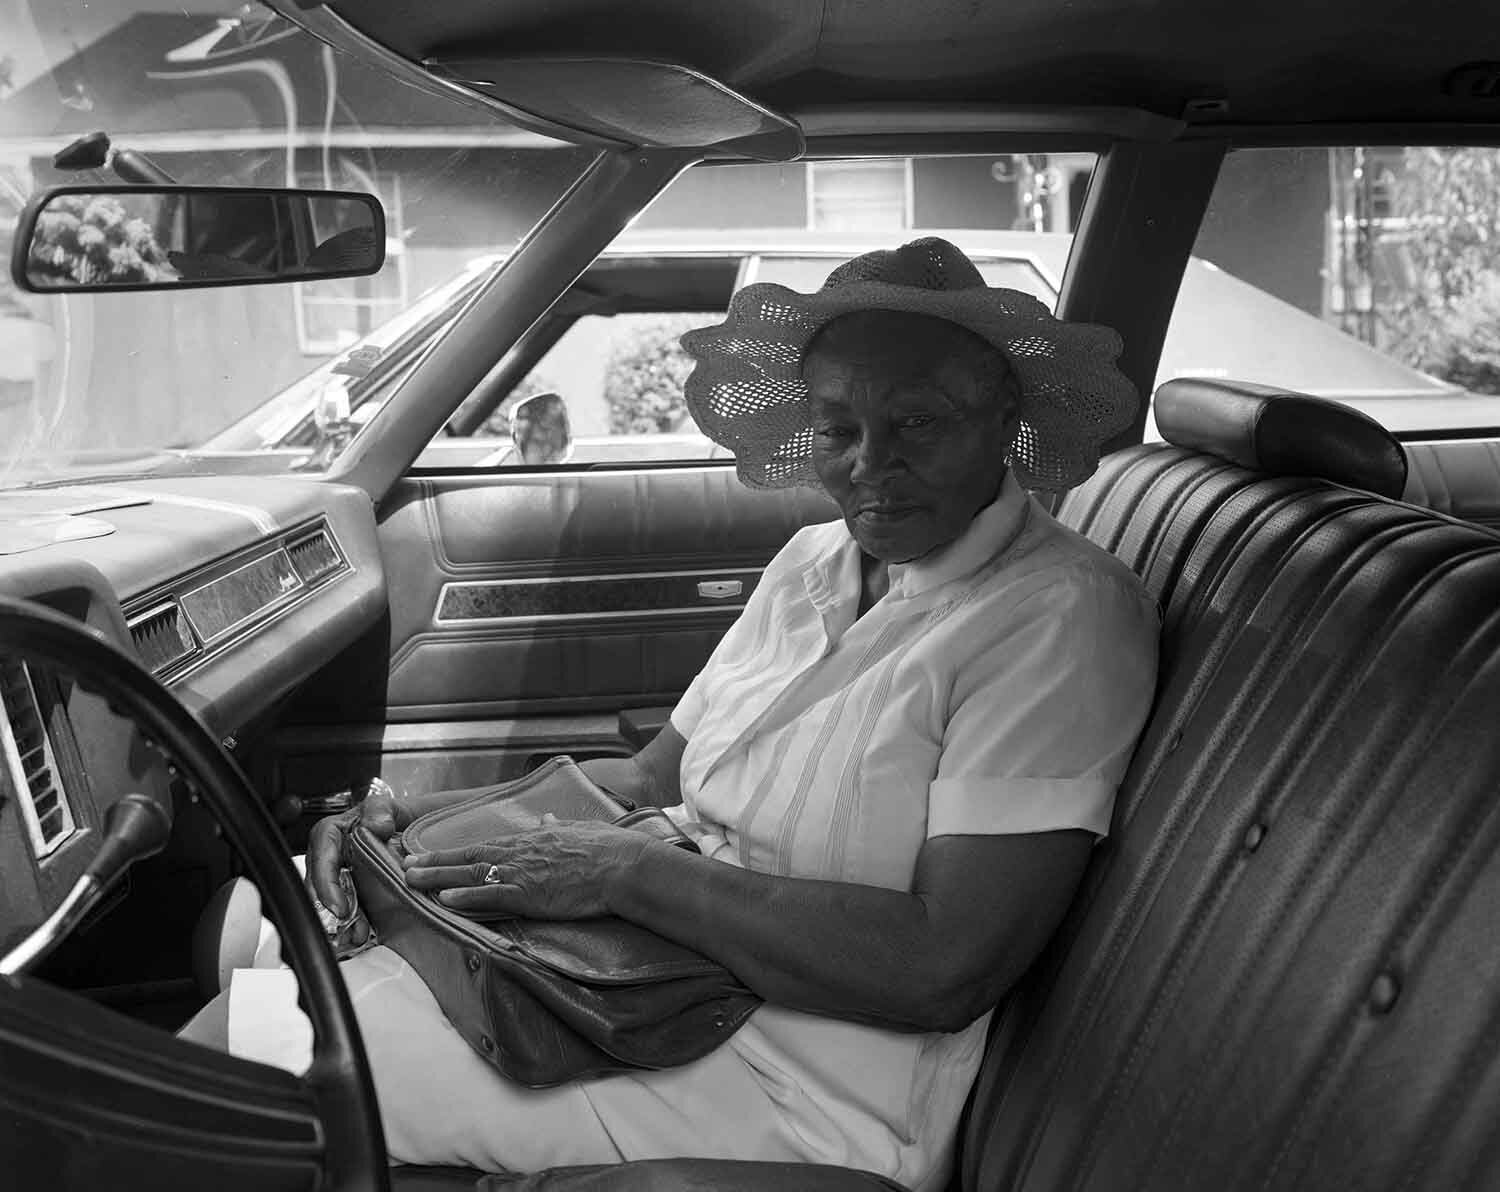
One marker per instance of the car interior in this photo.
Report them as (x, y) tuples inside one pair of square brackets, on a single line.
[(1280, 970)]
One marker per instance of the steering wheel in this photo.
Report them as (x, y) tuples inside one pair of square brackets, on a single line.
[(330, 1117)]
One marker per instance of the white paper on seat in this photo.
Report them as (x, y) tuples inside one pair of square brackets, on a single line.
[(265, 1022)]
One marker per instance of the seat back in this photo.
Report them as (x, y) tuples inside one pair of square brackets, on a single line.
[(1458, 476), (1282, 969)]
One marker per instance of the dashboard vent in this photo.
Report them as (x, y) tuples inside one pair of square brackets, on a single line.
[(30, 762), (315, 556), (162, 637)]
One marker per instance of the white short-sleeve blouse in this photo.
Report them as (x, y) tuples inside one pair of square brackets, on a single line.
[(998, 687)]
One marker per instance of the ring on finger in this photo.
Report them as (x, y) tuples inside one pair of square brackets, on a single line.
[(492, 876)]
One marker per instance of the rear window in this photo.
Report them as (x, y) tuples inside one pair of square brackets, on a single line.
[(1370, 276)]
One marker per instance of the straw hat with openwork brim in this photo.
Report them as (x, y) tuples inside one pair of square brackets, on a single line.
[(746, 392)]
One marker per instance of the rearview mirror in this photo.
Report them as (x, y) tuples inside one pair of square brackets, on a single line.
[(80, 239)]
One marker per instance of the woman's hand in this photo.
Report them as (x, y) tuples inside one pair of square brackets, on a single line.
[(380, 811), (562, 870)]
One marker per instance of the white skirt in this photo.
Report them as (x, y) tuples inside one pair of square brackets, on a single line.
[(442, 1104)]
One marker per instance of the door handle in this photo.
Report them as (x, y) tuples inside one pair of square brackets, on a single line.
[(719, 589)]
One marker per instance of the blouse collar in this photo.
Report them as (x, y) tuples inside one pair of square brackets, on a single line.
[(836, 575), (991, 532)]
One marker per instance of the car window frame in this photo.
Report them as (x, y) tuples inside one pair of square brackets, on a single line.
[(541, 340), (619, 186)]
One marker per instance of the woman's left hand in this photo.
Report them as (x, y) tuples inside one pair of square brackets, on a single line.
[(562, 870)]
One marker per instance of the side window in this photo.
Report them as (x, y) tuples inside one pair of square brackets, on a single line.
[(1370, 276), (620, 374), (621, 379), (720, 227)]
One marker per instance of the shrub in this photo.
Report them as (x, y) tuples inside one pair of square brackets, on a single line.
[(95, 240), (643, 379)]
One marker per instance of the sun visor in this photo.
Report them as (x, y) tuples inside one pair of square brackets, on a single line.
[(627, 101)]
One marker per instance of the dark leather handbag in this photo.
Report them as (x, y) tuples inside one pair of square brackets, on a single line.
[(548, 1002)]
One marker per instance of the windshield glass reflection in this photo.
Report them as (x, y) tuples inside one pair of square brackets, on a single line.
[(211, 93)]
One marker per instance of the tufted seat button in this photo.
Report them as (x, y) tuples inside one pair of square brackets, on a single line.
[(487, 1045), (1254, 834), (1176, 740), (1384, 991), (472, 960)]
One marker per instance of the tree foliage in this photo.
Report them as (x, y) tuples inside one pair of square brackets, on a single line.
[(644, 378), (92, 240), (1449, 322)]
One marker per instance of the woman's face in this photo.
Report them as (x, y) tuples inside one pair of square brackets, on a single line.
[(912, 418)]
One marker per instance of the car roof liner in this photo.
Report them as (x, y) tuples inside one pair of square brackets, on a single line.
[(1205, 62), (607, 100)]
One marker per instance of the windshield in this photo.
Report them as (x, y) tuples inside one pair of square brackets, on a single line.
[(220, 94), (329, 404)]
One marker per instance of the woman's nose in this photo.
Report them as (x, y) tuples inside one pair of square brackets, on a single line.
[(874, 456)]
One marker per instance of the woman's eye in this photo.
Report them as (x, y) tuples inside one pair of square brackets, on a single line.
[(834, 432), (917, 422)]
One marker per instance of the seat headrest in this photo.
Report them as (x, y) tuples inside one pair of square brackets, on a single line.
[(1274, 430)]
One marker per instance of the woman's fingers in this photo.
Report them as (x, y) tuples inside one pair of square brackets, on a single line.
[(443, 877), (325, 857), (381, 811), (491, 851), (378, 815), (469, 854), (477, 900), (553, 873)]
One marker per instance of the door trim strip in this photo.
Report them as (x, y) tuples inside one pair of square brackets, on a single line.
[(609, 597)]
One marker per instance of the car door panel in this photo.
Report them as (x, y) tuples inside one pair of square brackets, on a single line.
[(554, 591), (526, 611)]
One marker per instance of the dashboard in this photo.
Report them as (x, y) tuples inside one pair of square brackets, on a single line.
[(232, 591)]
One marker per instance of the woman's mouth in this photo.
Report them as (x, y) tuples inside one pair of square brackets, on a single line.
[(879, 515)]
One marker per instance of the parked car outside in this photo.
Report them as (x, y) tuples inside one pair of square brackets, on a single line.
[(1281, 346)]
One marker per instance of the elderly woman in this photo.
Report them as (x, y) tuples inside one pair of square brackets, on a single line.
[(895, 763)]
